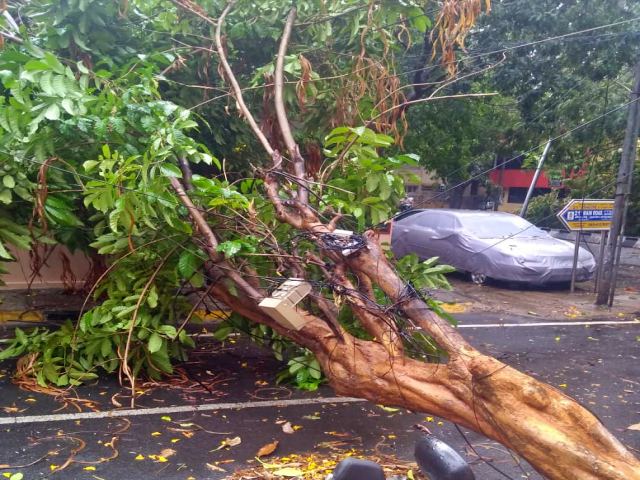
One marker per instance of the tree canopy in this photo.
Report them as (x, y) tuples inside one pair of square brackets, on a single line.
[(206, 152)]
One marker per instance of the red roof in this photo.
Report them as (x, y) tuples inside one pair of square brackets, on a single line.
[(518, 178)]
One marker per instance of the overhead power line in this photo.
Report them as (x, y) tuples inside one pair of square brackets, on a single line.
[(533, 149)]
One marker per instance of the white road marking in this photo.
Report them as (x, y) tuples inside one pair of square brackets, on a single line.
[(532, 324), (552, 324), (208, 407), (28, 419)]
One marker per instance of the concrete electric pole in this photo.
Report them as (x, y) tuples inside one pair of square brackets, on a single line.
[(534, 181), (606, 286)]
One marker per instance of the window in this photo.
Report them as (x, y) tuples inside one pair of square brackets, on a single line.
[(411, 188), (517, 195)]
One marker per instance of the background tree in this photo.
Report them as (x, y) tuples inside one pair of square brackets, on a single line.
[(313, 103), (562, 83)]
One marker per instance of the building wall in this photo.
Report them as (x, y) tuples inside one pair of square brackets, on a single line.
[(422, 186), (50, 274)]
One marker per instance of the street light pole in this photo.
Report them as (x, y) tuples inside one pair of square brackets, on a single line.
[(536, 175), (606, 287)]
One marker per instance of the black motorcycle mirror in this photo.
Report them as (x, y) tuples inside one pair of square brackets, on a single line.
[(438, 460), (356, 469), (435, 458)]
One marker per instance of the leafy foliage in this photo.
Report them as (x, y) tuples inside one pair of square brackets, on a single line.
[(103, 103), (373, 201), (542, 210), (424, 275)]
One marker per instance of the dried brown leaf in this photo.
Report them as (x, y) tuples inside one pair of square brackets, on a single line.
[(287, 428), (214, 468), (267, 449)]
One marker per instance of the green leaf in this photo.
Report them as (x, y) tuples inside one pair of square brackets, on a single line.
[(197, 279), (152, 298), (106, 347), (5, 196), (4, 253), (45, 84), (185, 339), (188, 263), (155, 342), (168, 330), (372, 182), (170, 170), (8, 181), (385, 188), (53, 62), (81, 67), (90, 165), (67, 104), (419, 20), (314, 370), (230, 248), (52, 112), (58, 85), (223, 332)]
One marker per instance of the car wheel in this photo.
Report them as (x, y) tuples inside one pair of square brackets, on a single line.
[(479, 278)]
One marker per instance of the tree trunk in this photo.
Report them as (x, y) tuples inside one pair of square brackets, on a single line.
[(456, 196), (561, 439)]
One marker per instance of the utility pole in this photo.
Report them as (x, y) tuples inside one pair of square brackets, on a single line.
[(536, 175), (606, 286)]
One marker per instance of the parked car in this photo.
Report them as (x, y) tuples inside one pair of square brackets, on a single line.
[(494, 245)]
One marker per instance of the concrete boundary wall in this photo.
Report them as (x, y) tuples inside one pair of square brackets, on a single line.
[(591, 237)]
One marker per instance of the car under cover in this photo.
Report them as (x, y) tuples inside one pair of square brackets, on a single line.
[(480, 242)]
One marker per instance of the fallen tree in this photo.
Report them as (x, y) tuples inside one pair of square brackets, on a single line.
[(560, 438), (368, 356)]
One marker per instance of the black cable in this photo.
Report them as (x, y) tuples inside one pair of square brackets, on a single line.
[(516, 157), (480, 456), (542, 220)]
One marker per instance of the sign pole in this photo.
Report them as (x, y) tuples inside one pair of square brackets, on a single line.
[(587, 214), (576, 252)]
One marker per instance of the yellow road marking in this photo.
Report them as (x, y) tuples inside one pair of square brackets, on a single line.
[(21, 316)]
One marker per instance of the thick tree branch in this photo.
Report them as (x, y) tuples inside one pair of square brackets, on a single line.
[(234, 82), (187, 174), (212, 243), (281, 113), (10, 36), (377, 323), (198, 219), (372, 262)]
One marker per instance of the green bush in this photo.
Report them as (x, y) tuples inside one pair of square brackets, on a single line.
[(543, 209)]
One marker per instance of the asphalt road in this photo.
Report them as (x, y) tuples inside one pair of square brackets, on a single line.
[(164, 437)]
